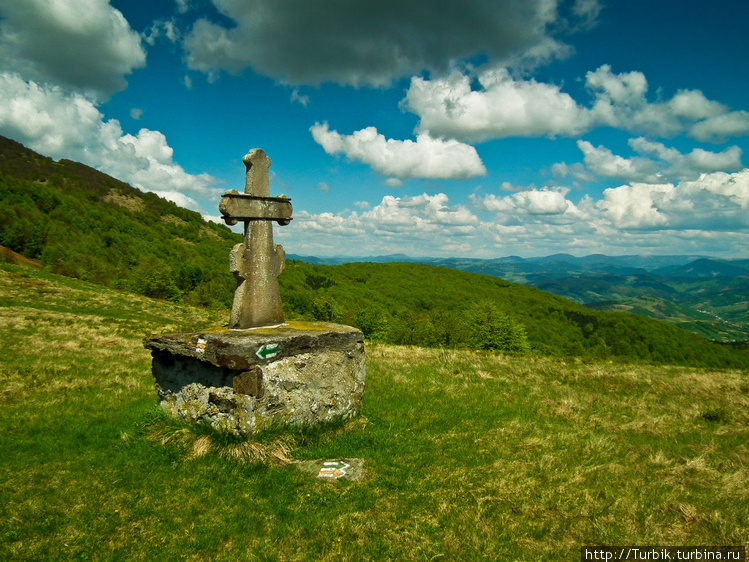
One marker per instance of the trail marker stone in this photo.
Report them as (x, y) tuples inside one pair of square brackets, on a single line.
[(260, 370)]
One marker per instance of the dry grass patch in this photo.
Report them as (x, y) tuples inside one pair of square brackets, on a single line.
[(195, 443), (130, 202)]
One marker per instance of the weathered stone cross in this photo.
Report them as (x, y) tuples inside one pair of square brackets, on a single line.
[(257, 262)]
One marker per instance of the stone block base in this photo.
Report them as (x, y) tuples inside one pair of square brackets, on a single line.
[(241, 381)]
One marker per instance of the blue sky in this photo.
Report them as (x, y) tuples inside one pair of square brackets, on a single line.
[(477, 128)]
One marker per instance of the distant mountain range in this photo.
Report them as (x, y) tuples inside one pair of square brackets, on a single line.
[(705, 295), (564, 264)]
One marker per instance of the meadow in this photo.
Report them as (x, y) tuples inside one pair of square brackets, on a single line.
[(467, 455)]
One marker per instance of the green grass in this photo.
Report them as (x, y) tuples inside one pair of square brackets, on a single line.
[(467, 455)]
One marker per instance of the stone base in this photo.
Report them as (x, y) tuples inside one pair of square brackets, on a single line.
[(241, 381)]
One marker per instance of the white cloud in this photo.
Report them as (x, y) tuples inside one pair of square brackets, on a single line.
[(163, 28), (600, 161), (86, 45), (588, 12), (146, 162), (179, 199), (543, 201), (682, 217), (658, 163), (693, 105), (214, 218), (715, 201), (296, 97), (719, 127), (359, 42), (435, 209), (424, 224), (504, 107), (620, 102), (426, 157), (184, 6), (577, 171), (327, 225), (637, 205), (678, 166), (64, 125)]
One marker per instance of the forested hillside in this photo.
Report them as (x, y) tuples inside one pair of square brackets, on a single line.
[(81, 223), (416, 304)]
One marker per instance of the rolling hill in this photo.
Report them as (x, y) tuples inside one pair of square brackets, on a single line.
[(81, 223), (708, 297)]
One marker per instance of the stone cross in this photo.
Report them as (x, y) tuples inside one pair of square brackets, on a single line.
[(257, 262)]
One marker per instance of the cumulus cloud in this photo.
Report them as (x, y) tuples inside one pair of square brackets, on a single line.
[(601, 162), (657, 163), (620, 102), (718, 128), (680, 217), (637, 205), (163, 28), (715, 201), (60, 124), (506, 106), (424, 224), (677, 166), (503, 107), (683, 216), (545, 201), (86, 45), (426, 157), (359, 42)]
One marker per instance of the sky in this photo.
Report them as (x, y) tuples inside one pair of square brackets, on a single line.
[(434, 128)]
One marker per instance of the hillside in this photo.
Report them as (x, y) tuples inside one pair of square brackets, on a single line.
[(414, 304), (708, 297), (467, 455), (81, 223), (85, 224)]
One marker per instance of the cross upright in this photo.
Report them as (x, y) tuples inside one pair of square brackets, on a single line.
[(257, 262)]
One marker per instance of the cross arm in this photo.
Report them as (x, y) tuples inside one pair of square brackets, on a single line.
[(235, 206)]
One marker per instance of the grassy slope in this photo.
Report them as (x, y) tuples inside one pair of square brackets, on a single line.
[(468, 455)]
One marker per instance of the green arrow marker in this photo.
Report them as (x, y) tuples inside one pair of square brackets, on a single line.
[(267, 351)]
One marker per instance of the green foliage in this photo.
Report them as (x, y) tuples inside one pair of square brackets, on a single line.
[(373, 323), (491, 330), (84, 224), (412, 304), (326, 309)]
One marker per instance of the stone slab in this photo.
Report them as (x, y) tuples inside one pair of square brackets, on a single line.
[(241, 381), (333, 469)]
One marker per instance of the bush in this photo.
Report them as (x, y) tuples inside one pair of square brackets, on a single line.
[(491, 330)]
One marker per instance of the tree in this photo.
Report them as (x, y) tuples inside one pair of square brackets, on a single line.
[(490, 329)]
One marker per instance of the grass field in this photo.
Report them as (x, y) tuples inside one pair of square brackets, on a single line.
[(467, 455)]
